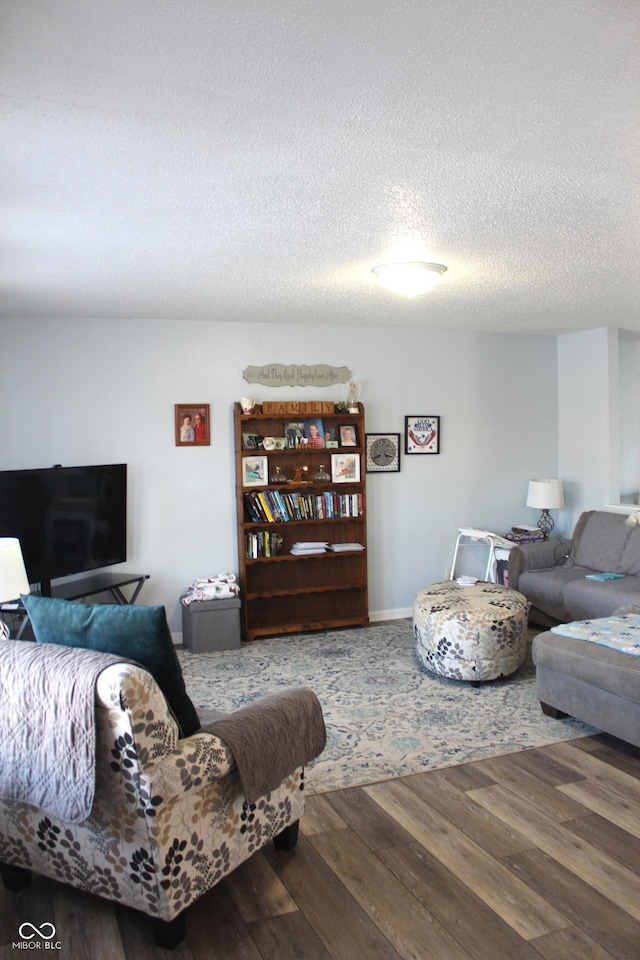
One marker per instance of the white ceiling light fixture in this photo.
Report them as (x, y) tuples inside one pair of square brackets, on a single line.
[(409, 279)]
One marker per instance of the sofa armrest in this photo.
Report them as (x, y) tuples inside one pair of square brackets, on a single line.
[(195, 762), (542, 555)]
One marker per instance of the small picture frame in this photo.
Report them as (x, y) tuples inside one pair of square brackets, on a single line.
[(255, 471), (192, 424), (422, 434), (314, 433), (345, 467), (294, 432), (348, 435), (382, 452), (250, 441)]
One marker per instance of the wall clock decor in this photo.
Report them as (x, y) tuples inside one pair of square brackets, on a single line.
[(383, 452), (422, 434)]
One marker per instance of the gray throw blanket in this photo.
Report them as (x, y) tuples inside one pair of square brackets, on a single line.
[(47, 726), (271, 736)]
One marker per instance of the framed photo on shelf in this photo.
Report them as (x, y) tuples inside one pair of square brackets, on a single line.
[(192, 424), (382, 452), (293, 431), (314, 432), (348, 435), (255, 472), (422, 434), (250, 441), (345, 467)]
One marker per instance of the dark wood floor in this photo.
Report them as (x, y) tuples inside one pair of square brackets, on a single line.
[(532, 856)]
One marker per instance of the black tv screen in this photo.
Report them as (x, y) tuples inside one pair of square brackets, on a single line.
[(68, 520)]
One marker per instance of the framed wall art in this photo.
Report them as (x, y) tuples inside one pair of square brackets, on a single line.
[(192, 424), (255, 471), (422, 434), (382, 452), (345, 467)]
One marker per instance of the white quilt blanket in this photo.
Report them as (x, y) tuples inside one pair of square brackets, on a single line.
[(47, 726), (620, 633)]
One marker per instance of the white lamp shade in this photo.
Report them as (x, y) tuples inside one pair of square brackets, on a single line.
[(13, 576), (545, 494)]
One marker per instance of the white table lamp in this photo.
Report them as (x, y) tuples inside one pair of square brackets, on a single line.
[(13, 576), (545, 495)]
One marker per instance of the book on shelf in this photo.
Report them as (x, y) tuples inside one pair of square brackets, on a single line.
[(343, 547), (304, 548)]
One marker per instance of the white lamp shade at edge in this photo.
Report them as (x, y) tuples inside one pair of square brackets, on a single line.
[(545, 494), (13, 575)]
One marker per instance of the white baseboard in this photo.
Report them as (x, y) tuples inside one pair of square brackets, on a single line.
[(377, 616)]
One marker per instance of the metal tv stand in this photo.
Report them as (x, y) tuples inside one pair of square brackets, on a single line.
[(101, 583)]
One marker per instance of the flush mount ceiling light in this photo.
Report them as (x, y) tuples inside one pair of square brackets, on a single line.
[(409, 279)]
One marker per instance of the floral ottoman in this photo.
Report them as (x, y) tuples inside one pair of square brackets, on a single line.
[(474, 633)]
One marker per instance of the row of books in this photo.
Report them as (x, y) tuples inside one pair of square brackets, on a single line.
[(275, 506), (262, 543)]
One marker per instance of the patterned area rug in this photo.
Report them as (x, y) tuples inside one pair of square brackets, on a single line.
[(385, 715)]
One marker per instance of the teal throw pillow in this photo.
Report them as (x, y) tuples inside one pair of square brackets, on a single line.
[(136, 633)]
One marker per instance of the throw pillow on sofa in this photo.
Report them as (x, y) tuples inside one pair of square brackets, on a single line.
[(136, 633)]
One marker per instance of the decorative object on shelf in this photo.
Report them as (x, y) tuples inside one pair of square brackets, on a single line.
[(296, 375), (422, 434), (13, 576), (300, 474), (345, 467), (353, 393), (383, 452), (192, 424), (254, 471), (280, 443), (277, 476), (268, 443), (409, 279), (247, 404), (322, 476), (545, 495)]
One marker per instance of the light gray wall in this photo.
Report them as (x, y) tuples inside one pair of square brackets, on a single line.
[(588, 418), (86, 391)]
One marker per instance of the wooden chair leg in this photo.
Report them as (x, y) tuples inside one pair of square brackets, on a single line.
[(288, 838), (168, 934), (552, 711), (14, 878)]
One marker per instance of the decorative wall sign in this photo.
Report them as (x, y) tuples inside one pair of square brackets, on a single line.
[(422, 434), (294, 375)]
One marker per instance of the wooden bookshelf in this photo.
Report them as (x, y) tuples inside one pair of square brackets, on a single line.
[(282, 592)]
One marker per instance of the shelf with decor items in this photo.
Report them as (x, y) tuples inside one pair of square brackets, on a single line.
[(294, 495)]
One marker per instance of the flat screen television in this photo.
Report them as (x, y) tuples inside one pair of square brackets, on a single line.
[(69, 520)]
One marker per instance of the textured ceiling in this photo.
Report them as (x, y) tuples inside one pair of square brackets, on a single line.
[(253, 160)]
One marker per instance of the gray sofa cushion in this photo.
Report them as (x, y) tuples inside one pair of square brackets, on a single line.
[(602, 543), (631, 556), (546, 592), (588, 599)]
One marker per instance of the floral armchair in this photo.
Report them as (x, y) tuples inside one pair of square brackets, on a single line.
[(169, 818)]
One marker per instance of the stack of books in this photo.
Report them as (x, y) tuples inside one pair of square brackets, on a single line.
[(342, 547), (305, 547)]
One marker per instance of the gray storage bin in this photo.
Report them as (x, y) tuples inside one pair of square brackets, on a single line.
[(211, 625)]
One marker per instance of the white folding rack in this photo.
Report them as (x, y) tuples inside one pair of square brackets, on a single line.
[(469, 535)]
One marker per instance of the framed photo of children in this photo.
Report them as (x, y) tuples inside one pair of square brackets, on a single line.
[(422, 434), (192, 424)]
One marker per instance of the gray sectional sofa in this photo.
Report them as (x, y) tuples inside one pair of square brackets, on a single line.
[(551, 574)]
